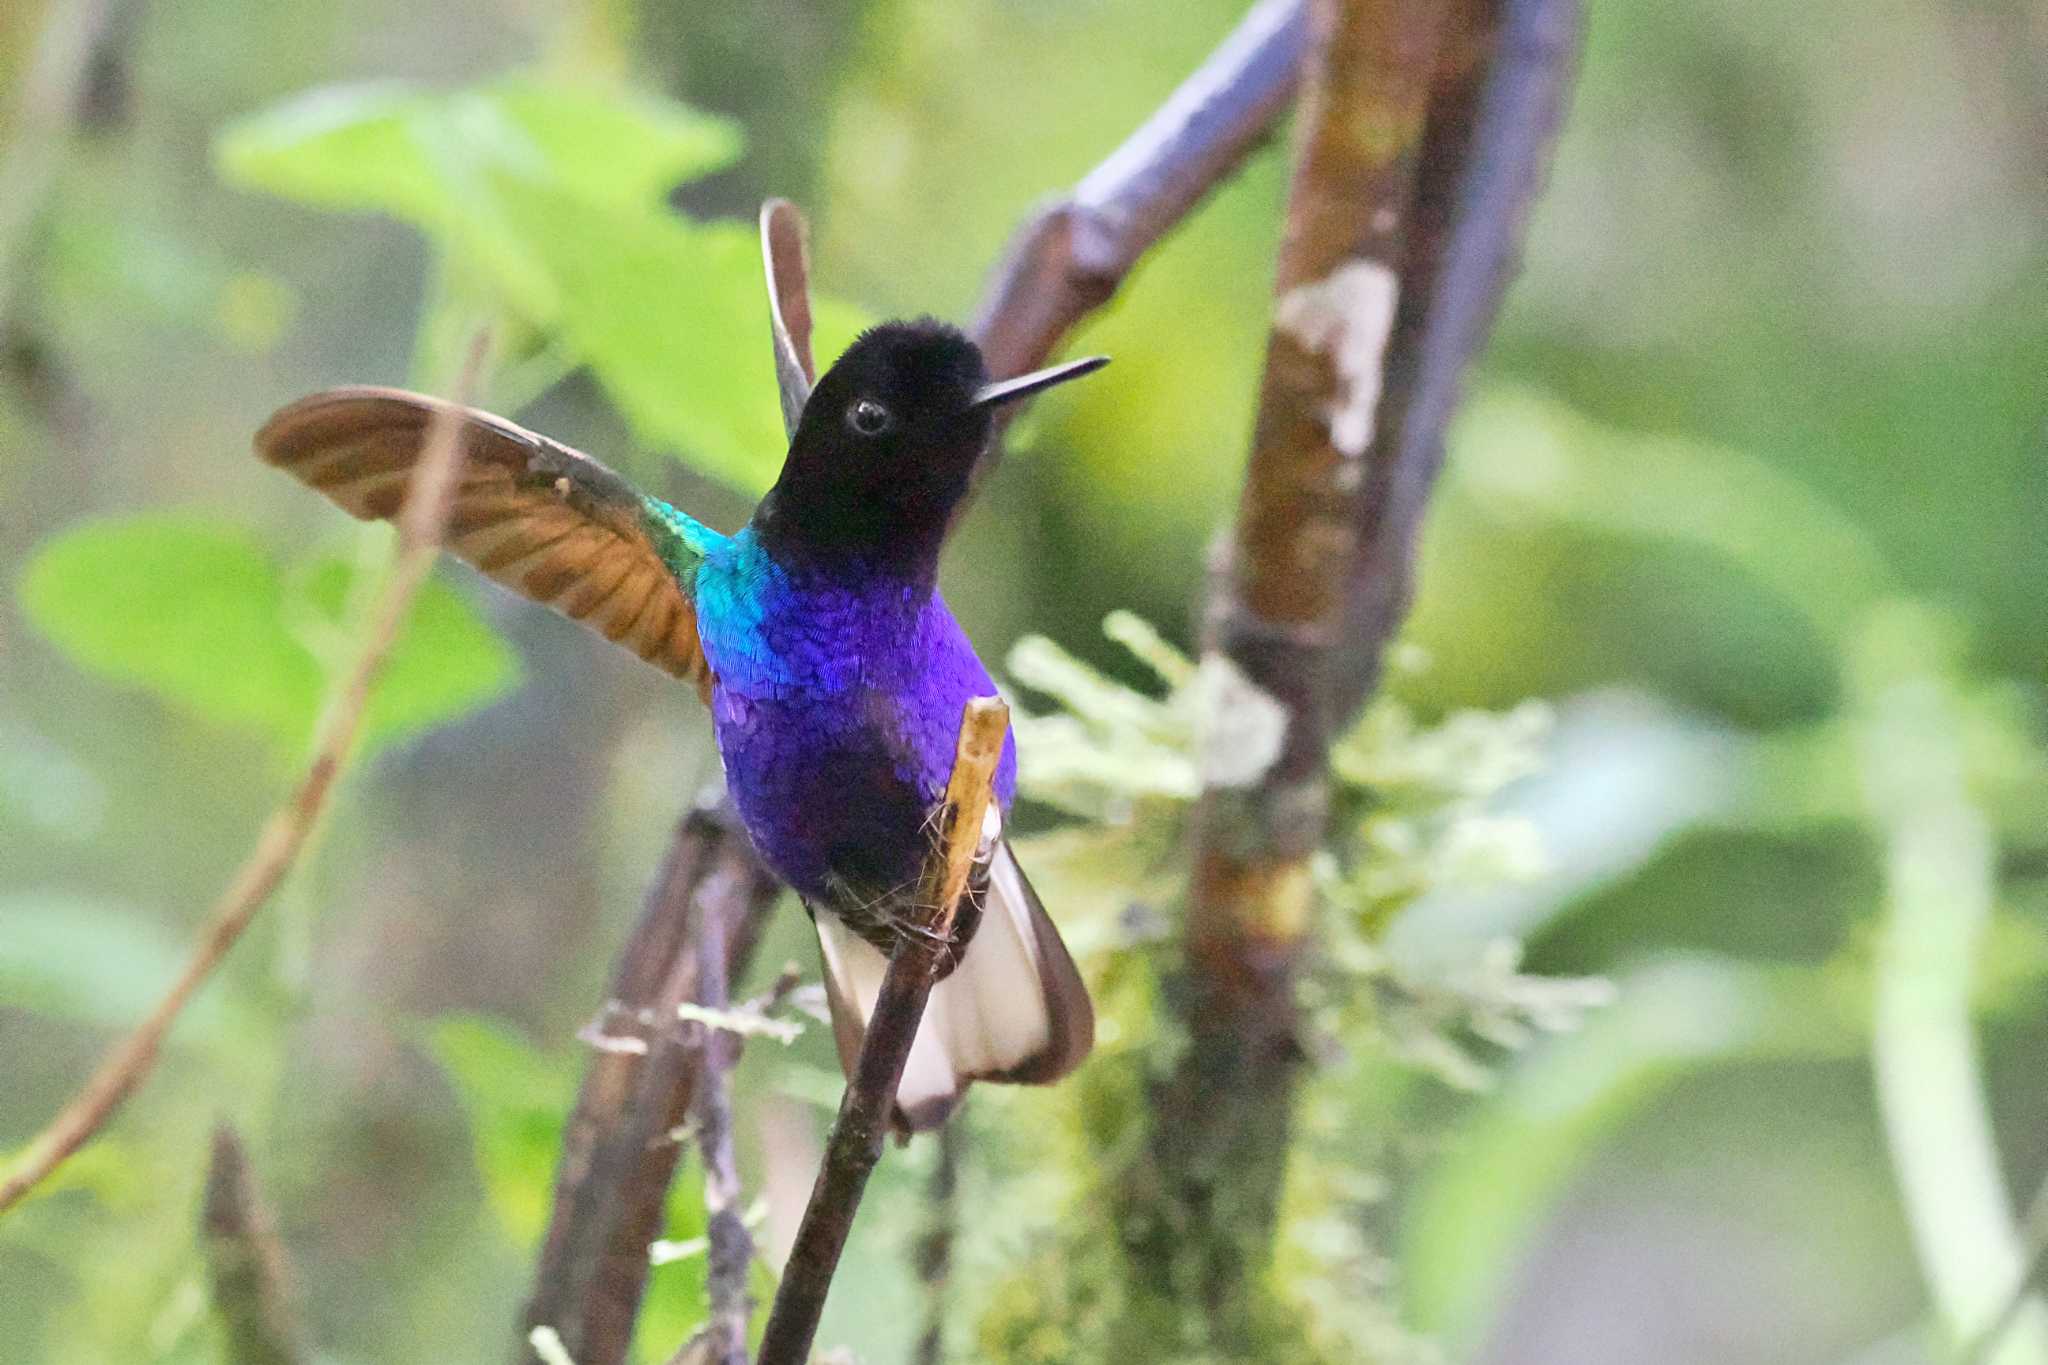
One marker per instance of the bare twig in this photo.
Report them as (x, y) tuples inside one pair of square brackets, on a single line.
[(1072, 255), (856, 1141), (935, 1246), (420, 523), (253, 1292), (617, 1158), (724, 1338)]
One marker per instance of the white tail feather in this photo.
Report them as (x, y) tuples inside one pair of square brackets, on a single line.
[(1013, 1007)]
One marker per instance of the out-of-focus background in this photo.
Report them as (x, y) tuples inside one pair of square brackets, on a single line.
[(1751, 491)]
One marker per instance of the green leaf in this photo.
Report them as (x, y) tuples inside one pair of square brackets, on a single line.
[(196, 611), (625, 148), (185, 606), (383, 147), (555, 198), (432, 159), (75, 957), (516, 1098), (447, 662), (671, 316)]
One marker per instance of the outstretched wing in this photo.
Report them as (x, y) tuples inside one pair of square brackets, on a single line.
[(542, 519)]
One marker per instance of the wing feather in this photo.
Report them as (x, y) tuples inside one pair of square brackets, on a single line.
[(542, 519)]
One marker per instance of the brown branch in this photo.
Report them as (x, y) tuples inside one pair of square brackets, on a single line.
[(420, 523), (252, 1285), (856, 1141), (618, 1155), (731, 1253), (1072, 255), (1206, 1188), (1503, 83)]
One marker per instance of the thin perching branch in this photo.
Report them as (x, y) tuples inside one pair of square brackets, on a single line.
[(856, 1141), (420, 524), (251, 1281)]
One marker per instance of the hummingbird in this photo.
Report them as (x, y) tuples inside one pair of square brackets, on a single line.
[(835, 673)]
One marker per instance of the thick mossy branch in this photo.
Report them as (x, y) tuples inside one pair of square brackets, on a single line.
[(1201, 1201), (1412, 815)]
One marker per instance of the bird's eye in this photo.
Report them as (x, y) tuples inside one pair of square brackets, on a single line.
[(869, 418)]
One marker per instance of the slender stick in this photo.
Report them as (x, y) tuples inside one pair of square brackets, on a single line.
[(420, 523), (856, 1141), (617, 1160), (252, 1284), (732, 1246)]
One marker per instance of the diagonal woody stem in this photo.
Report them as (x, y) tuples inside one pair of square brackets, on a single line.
[(420, 524), (1071, 256)]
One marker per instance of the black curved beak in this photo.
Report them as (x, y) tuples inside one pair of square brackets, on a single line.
[(1024, 385)]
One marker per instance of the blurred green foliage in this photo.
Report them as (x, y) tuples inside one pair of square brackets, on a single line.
[(546, 204), (1749, 490), (199, 613)]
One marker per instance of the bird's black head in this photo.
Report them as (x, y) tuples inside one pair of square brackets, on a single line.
[(887, 445)]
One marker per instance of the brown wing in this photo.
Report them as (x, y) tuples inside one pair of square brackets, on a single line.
[(531, 513)]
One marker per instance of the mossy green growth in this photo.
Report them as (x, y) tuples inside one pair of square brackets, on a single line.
[(1099, 1277)]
